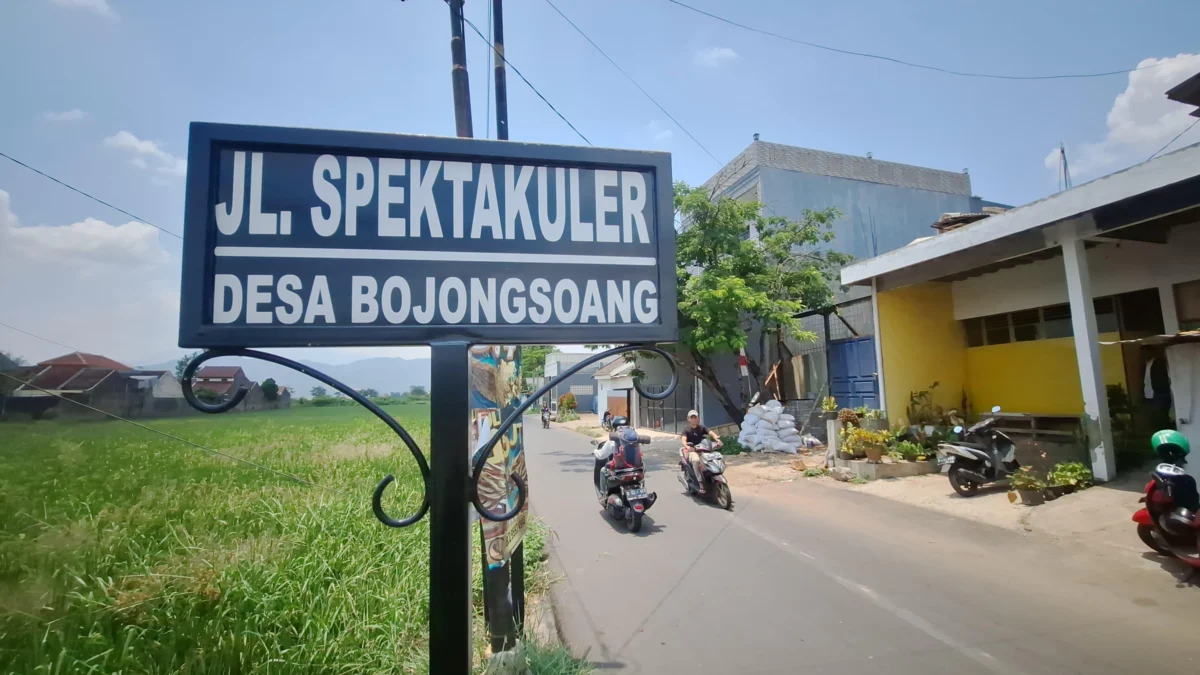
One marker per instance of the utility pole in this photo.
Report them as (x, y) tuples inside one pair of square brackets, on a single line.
[(450, 644), (517, 573)]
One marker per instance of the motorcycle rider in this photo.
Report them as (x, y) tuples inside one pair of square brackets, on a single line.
[(608, 448), (692, 436)]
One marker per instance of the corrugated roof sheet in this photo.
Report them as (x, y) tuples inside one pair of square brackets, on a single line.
[(53, 377), (87, 378), (219, 371), (215, 387)]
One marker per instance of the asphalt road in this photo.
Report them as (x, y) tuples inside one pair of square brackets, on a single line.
[(804, 577)]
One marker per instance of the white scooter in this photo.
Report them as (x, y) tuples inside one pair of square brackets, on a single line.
[(985, 455)]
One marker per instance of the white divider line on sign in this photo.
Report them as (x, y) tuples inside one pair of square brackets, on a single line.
[(443, 256)]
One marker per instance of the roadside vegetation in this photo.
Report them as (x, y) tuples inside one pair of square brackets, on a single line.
[(125, 551)]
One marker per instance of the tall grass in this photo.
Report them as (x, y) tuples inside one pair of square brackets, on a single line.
[(123, 551)]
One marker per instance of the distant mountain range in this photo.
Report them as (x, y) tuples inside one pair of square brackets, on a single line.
[(383, 374)]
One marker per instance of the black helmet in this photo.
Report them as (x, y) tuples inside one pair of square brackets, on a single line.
[(620, 421)]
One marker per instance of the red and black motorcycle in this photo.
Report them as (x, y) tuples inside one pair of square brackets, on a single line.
[(1170, 522)]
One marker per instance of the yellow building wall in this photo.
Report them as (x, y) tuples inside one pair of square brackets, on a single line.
[(921, 343), (1040, 377)]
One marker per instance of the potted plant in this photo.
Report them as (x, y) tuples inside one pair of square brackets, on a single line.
[(829, 408), (1029, 486), (1067, 477), (859, 442), (848, 417), (873, 419)]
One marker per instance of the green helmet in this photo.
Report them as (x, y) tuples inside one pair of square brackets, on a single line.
[(1169, 441)]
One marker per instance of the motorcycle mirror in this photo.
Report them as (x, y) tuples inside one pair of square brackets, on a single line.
[(958, 430), (995, 409)]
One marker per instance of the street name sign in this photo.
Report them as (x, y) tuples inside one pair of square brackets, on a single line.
[(298, 237)]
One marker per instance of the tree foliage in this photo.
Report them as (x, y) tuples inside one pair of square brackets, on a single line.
[(317, 392), (533, 359), (369, 392), (417, 390), (270, 389), (181, 364), (740, 269)]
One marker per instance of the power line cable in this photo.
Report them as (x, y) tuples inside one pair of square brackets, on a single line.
[(95, 199), (1177, 136), (39, 337), (848, 52), (234, 458), (524, 79), (635, 83)]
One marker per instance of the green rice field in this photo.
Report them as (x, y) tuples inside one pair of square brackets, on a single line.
[(122, 551)]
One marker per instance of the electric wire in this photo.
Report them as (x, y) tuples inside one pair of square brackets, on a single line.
[(1177, 137), (911, 64), (635, 82), (95, 199), (524, 79)]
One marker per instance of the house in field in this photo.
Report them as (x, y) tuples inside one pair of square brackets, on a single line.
[(1074, 312), (225, 381), (89, 379)]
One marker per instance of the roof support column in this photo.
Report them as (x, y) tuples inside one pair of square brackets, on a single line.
[(1087, 352), (878, 340)]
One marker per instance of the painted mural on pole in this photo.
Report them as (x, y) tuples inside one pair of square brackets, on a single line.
[(495, 394), (296, 237)]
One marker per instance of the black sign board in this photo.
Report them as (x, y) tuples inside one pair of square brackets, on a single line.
[(297, 237)]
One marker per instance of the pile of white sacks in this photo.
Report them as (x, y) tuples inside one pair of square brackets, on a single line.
[(767, 428)]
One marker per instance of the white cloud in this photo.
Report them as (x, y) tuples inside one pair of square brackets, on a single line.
[(72, 115), (658, 132), (164, 162), (1142, 119), (100, 7), (713, 57), (110, 289)]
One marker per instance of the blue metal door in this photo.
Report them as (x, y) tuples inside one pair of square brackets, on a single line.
[(852, 378)]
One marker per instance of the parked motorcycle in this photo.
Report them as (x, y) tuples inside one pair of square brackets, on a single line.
[(984, 455), (606, 421), (620, 477), (1168, 523), (716, 488)]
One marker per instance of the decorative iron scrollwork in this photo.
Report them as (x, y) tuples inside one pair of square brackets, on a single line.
[(486, 450), (240, 395)]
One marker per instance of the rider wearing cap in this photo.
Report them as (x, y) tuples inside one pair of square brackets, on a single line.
[(692, 436)]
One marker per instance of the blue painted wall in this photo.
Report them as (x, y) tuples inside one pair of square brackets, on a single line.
[(899, 214)]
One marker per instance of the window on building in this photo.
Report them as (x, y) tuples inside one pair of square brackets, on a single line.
[(1056, 322), (581, 389), (995, 328), (1025, 325), (1187, 305), (1042, 323)]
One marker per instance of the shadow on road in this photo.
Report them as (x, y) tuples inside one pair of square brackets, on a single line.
[(1185, 575), (649, 527)]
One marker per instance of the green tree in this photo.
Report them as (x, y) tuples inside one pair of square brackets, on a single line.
[(181, 364), (417, 390), (317, 391), (731, 282), (9, 360), (270, 389), (368, 392), (533, 359)]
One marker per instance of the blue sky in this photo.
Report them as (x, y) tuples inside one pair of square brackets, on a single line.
[(100, 93)]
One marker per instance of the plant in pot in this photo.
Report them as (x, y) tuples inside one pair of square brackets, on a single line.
[(1029, 487), (848, 417), (859, 442), (1067, 477), (829, 407)]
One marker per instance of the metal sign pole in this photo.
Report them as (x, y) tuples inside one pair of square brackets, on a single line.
[(450, 646)]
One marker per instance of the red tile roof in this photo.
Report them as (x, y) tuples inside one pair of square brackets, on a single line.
[(82, 359), (53, 377), (69, 378), (219, 371), (87, 378), (220, 388)]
